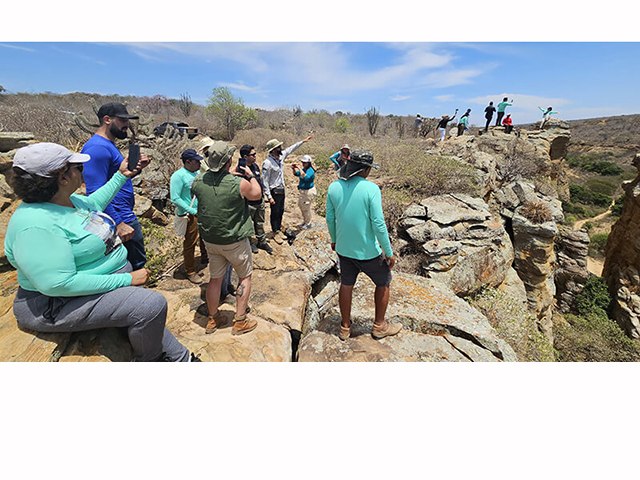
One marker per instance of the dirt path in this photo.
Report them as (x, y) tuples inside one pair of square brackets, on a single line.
[(594, 265)]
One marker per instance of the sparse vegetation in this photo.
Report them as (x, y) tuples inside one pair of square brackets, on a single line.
[(514, 324), (373, 119), (536, 212), (590, 336), (597, 243), (230, 111)]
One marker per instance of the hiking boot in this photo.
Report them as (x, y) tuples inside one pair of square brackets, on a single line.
[(266, 247), (196, 278), (212, 326), (388, 330), (242, 325), (194, 358), (254, 248), (345, 332)]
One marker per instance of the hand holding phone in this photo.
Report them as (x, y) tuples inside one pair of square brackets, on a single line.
[(134, 156)]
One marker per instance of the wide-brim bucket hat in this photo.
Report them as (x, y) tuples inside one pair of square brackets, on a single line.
[(273, 143)]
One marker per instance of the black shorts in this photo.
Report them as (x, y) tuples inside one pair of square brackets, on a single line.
[(376, 269)]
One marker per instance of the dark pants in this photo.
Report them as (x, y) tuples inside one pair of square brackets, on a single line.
[(486, 127), (257, 215), (135, 246), (277, 211), (460, 129), (508, 128), (499, 119)]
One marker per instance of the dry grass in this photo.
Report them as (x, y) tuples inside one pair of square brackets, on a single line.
[(536, 212)]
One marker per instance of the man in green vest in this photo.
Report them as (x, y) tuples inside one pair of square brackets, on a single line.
[(225, 226)]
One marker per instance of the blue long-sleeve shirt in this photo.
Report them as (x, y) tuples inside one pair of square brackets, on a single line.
[(306, 181), (105, 162)]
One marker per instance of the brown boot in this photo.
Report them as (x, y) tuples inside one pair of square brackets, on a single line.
[(388, 330), (212, 325), (242, 325)]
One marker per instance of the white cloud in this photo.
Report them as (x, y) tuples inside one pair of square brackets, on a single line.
[(17, 47), (444, 98), (240, 86), (400, 98)]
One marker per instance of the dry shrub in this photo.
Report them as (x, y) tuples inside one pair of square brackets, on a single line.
[(536, 212), (515, 325)]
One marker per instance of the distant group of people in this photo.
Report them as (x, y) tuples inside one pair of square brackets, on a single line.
[(81, 258), (489, 111)]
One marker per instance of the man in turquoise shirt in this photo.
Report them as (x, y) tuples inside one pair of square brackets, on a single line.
[(186, 204), (359, 236), (502, 106)]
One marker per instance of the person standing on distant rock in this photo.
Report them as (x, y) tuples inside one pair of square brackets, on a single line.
[(501, 109), (508, 124), (186, 205), (463, 124), (417, 124), (340, 157), (273, 180), (306, 189), (442, 125), (546, 115), (360, 238), (225, 226), (256, 207), (105, 162), (488, 114)]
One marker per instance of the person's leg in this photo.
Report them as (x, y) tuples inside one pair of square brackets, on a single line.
[(226, 287), (443, 133), (279, 211), (142, 311), (486, 127), (499, 118), (217, 269), (189, 245), (377, 269), (135, 247), (381, 299), (239, 255), (345, 297)]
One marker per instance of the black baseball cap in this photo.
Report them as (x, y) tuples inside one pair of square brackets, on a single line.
[(115, 110)]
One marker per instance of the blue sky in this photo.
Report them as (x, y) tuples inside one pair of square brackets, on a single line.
[(580, 80), (560, 59)]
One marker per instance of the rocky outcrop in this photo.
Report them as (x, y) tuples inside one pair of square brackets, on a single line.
[(622, 259), (534, 262), (461, 243), (439, 326), (572, 249)]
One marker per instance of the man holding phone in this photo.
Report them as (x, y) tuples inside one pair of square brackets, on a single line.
[(105, 160)]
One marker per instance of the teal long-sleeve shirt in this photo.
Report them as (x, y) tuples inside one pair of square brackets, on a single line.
[(180, 191), (68, 252), (355, 219)]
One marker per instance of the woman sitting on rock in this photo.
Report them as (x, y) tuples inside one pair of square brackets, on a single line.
[(72, 266)]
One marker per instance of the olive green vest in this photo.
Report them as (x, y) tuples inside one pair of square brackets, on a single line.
[(223, 215)]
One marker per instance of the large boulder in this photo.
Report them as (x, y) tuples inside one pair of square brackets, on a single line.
[(438, 326), (461, 243)]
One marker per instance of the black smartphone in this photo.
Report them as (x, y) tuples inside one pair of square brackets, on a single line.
[(134, 156)]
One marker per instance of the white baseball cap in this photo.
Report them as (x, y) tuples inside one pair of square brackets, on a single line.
[(43, 159)]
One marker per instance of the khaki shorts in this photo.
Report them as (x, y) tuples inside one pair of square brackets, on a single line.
[(237, 254)]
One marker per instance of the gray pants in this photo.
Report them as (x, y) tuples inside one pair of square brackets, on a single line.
[(142, 311)]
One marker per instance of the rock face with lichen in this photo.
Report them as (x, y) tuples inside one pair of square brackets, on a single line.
[(463, 245), (622, 259)]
